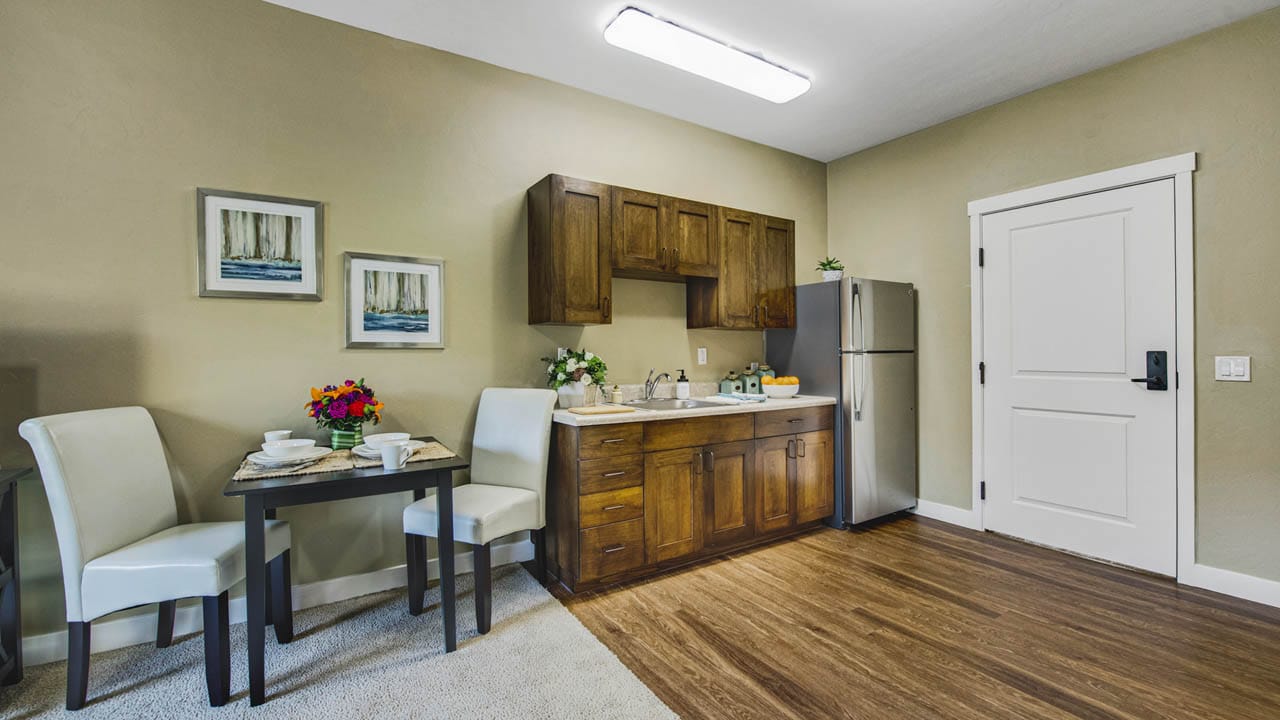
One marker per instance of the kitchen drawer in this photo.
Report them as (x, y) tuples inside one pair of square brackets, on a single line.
[(611, 549), (610, 440), (789, 422), (610, 473), (695, 432), (609, 507)]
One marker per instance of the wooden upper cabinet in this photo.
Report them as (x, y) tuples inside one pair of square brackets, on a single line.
[(691, 237), (777, 273), (814, 475), (672, 504), (570, 243), (637, 231), (728, 472), (736, 291)]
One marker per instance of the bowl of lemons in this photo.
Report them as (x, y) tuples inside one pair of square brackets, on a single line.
[(783, 386)]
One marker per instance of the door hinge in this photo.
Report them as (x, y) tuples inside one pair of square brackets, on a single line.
[(982, 490), (982, 373), (982, 257)]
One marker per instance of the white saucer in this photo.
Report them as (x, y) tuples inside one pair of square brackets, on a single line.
[(311, 455), (369, 453)]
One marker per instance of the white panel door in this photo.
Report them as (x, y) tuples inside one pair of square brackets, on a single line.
[(1078, 457)]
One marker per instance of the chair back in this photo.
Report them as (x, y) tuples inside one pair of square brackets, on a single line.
[(108, 484), (513, 440)]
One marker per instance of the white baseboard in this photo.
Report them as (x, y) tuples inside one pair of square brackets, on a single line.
[(1235, 584), (136, 629), (948, 514)]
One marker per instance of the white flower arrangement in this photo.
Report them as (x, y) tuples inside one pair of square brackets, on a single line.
[(574, 366)]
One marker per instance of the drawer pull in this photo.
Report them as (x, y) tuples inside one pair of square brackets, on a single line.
[(796, 420), (614, 548), (612, 440), (616, 473), (614, 507)]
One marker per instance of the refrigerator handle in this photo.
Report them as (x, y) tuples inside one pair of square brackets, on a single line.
[(858, 327), (859, 385)]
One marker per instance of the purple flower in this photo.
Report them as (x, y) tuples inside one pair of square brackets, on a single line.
[(338, 409), (350, 383)]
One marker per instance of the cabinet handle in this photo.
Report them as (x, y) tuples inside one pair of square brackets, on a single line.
[(616, 473), (764, 310), (697, 465), (796, 420), (614, 507), (791, 448), (612, 440), (675, 257), (662, 258), (800, 445), (606, 306), (755, 315), (709, 461), (614, 548)]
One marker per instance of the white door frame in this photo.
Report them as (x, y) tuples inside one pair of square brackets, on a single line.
[(1179, 168)]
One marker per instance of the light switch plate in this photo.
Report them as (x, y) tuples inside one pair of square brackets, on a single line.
[(1232, 368), (702, 356)]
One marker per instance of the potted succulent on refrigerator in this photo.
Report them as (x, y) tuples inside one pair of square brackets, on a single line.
[(576, 377), (832, 269), (343, 410)]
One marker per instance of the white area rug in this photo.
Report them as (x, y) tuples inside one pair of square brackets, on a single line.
[(366, 658)]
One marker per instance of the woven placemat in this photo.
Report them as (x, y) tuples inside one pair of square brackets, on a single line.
[(333, 462), (433, 451)]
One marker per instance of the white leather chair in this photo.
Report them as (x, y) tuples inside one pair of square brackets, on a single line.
[(116, 519), (509, 453)]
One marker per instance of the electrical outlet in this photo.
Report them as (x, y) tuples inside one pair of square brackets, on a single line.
[(702, 356), (561, 352)]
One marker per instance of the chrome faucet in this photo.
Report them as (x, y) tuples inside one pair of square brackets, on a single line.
[(651, 383)]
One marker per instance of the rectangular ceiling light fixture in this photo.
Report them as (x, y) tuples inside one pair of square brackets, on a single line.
[(644, 34)]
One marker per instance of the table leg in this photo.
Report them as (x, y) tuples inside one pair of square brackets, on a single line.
[(270, 514), (256, 595), (444, 537), (10, 604)]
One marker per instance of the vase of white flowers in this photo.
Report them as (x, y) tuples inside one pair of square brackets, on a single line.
[(576, 376)]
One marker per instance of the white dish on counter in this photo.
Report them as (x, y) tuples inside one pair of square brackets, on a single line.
[(287, 448), (780, 391), (372, 453), (377, 441), (310, 455)]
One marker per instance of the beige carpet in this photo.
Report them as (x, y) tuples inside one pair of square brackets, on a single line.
[(368, 657)]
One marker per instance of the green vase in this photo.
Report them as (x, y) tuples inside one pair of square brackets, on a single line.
[(346, 439)]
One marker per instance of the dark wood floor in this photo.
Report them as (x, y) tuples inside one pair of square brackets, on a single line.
[(919, 619)]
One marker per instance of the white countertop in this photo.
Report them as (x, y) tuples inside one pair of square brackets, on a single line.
[(564, 417)]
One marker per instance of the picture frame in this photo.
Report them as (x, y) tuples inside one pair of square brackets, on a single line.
[(393, 301), (259, 246)]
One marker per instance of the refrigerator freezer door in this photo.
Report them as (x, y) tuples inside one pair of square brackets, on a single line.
[(810, 351), (878, 316), (880, 441)]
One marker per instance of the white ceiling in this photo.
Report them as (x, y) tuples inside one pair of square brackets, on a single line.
[(880, 68)]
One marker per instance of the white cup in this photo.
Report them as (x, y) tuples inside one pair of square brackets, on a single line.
[(273, 435), (395, 454)]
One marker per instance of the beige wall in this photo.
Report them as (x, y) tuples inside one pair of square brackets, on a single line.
[(114, 113), (899, 211)]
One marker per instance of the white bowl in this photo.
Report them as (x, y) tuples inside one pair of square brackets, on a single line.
[(377, 441), (273, 435), (287, 448), (780, 391)]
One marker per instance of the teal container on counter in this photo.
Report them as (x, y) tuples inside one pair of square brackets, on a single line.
[(766, 370), (731, 383), (750, 382)]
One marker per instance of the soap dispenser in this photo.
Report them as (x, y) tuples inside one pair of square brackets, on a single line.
[(682, 387)]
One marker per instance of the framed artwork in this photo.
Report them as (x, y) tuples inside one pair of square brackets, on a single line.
[(394, 302), (259, 246)]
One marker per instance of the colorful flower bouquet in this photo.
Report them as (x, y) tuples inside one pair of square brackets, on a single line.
[(344, 409)]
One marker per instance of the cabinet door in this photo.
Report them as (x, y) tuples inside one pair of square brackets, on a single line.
[(815, 475), (737, 294), (777, 274), (690, 235), (775, 496), (581, 230), (672, 504), (728, 492), (637, 234)]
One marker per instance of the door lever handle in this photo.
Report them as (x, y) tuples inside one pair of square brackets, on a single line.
[(1154, 382), (1157, 371)]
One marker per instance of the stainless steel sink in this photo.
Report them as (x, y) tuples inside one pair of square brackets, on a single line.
[(671, 404)]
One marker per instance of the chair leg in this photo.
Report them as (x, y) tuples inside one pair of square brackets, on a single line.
[(164, 623), (539, 538), (217, 649), (484, 587), (77, 664), (281, 597), (415, 552)]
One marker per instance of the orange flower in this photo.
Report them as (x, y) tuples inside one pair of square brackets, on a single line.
[(315, 394)]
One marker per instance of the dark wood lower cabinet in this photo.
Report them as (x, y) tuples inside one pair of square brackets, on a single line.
[(630, 499)]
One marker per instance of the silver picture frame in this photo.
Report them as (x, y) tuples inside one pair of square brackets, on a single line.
[(429, 302), (310, 253)]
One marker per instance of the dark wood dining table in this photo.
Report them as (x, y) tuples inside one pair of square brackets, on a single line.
[(262, 498)]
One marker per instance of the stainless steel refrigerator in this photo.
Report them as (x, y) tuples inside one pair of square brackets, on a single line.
[(856, 340)]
